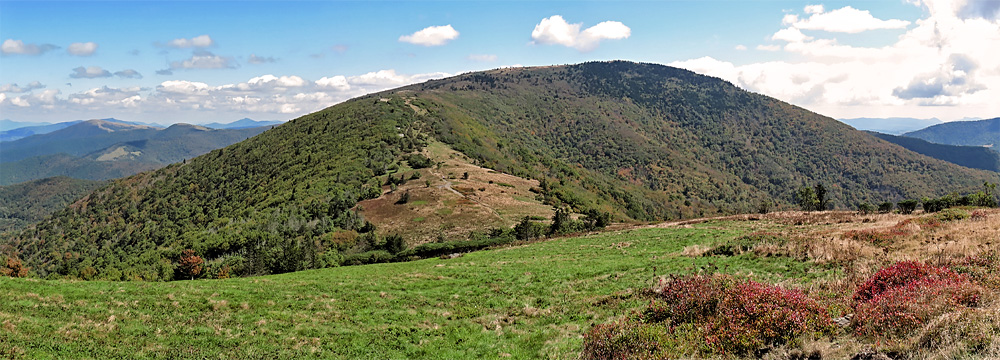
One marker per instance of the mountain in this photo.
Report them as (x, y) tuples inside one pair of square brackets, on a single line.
[(976, 157), (28, 129), (640, 141), (7, 124), (242, 124), (894, 126), (102, 150), (984, 133), (29, 202)]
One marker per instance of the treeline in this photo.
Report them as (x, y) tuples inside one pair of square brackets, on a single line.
[(987, 197)]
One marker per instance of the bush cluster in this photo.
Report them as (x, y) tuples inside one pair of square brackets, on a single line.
[(731, 317), (901, 298)]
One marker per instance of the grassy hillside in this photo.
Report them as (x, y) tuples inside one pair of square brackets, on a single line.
[(975, 157), (27, 203), (967, 133), (536, 300), (639, 141)]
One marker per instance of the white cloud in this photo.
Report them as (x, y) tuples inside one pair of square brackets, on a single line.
[(82, 49), (554, 30), (205, 60), (11, 46), (202, 41), (482, 57), (431, 36), (740, 47), (13, 88), (946, 66), (254, 59), (338, 83), (128, 74), (182, 87), (90, 72), (790, 35), (844, 20)]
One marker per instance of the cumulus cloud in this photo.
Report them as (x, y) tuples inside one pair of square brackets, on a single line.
[(90, 72), (268, 96), (254, 59), (431, 36), (18, 47), (128, 74), (202, 41), (946, 60), (482, 57), (82, 49), (13, 88), (844, 20), (205, 60), (554, 30)]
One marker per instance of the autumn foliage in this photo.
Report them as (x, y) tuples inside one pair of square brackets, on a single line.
[(13, 268), (189, 265)]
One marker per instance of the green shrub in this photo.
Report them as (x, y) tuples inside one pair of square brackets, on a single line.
[(952, 215), (907, 206), (866, 208)]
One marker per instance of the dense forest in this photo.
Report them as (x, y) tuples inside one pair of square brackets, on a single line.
[(637, 141), (969, 133), (27, 203)]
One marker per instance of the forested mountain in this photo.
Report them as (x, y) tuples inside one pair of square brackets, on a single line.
[(27, 203), (642, 141), (102, 150), (968, 133), (13, 130), (976, 157), (894, 126)]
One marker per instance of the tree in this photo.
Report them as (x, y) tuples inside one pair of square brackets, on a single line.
[(13, 268), (559, 221), (189, 264), (822, 202), (907, 206), (394, 244), (807, 198)]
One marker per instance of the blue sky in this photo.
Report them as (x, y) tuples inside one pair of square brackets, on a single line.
[(202, 62)]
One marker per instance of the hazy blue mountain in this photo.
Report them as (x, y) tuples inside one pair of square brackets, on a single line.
[(14, 130), (8, 124), (243, 123), (894, 126), (976, 157), (985, 133)]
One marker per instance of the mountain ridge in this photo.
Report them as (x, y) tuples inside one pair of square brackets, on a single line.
[(640, 141)]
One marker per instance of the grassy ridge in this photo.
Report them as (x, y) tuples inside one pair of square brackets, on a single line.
[(526, 301)]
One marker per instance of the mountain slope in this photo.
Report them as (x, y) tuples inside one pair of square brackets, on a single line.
[(975, 157), (968, 133), (98, 150), (29, 202), (641, 141)]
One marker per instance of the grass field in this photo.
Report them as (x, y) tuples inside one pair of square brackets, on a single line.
[(533, 300)]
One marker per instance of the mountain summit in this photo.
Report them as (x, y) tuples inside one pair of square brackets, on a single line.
[(641, 141)]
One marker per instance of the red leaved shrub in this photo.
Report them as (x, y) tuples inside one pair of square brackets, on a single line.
[(898, 275), (752, 316), (738, 316), (903, 297)]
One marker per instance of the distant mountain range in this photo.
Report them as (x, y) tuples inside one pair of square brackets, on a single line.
[(985, 133), (894, 126), (13, 130), (976, 157), (101, 149)]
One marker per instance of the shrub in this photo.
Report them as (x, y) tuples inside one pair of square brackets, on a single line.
[(952, 215), (898, 275), (746, 243), (978, 215), (738, 317), (899, 299), (368, 257), (901, 310), (13, 268), (907, 206), (885, 207), (418, 161), (189, 265), (866, 208)]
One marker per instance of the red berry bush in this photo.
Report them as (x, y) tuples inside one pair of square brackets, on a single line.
[(901, 298), (731, 317)]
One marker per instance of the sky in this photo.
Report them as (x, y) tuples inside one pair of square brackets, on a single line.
[(219, 61)]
